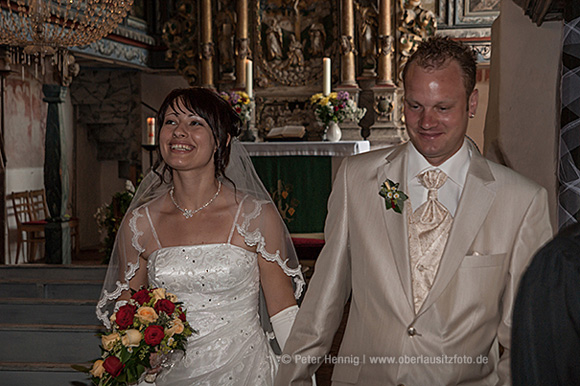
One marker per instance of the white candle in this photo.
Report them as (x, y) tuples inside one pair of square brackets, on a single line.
[(249, 78), (150, 131), (326, 76)]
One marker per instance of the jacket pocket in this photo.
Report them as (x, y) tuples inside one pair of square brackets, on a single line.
[(477, 261)]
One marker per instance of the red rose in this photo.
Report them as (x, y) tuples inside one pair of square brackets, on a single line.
[(238, 109), (154, 334), (141, 296), (182, 316), (164, 305), (113, 366), (125, 316)]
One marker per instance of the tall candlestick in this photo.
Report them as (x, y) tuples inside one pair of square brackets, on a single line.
[(150, 131), (326, 76), (249, 78)]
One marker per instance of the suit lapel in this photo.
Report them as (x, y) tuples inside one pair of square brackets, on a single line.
[(476, 199), (396, 223)]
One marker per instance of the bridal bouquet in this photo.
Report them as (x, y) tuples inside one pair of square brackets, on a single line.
[(241, 103), (144, 331), (336, 107)]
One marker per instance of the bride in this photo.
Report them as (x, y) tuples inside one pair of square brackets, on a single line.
[(203, 227)]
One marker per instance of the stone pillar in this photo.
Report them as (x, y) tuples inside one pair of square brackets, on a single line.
[(242, 43), (56, 183), (207, 46), (386, 47), (347, 49), (387, 107)]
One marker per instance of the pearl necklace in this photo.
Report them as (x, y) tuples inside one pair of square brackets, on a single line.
[(188, 213)]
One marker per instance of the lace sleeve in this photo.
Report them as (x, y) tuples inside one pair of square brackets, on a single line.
[(123, 264), (261, 226)]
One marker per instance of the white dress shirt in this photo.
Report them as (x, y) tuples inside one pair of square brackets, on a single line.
[(449, 194)]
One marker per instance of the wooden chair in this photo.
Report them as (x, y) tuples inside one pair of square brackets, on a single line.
[(39, 209), (30, 230)]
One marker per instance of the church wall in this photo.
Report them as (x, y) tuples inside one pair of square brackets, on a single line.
[(154, 89), (24, 142), (99, 180), (521, 124), (96, 183), (476, 125)]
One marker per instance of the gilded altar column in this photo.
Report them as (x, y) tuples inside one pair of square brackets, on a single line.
[(385, 65), (242, 43), (347, 44), (207, 46)]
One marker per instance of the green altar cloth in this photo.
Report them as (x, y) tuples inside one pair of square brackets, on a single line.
[(299, 177), (299, 186)]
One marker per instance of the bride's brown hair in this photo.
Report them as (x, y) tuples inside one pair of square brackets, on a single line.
[(224, 122)]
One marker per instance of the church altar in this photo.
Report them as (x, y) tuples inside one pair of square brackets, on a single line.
[(299, 177)]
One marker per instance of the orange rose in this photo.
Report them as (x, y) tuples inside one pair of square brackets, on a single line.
[(176, 328), (171, 297), (158, 293), (108, 341), (147, 315), (131, 338), (98, 370)]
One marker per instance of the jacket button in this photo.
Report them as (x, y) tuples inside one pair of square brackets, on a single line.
[(411, 331)]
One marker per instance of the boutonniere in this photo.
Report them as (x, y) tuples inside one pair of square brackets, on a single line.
[(394, 198)]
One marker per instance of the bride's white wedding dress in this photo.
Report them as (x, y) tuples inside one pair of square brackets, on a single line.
[(219, 286)]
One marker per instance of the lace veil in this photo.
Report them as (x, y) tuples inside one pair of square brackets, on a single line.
[(272, 241)]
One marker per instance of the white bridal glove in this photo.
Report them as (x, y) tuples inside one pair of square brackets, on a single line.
[(282, 324)]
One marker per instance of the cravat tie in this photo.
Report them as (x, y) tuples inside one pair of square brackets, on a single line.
[(429, 229)]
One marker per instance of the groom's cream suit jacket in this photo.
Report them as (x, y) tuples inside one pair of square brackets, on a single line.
[(501, 220)]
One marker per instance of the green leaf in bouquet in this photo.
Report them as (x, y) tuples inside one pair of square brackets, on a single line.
[(80, 368)]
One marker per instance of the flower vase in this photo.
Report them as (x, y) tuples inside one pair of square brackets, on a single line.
[(247, 135), (333, 132)]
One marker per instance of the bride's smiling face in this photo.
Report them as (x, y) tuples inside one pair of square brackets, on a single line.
[(186, 140)]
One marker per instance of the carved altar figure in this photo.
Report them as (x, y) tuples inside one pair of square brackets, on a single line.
[(317, 39), (367, 34), (226, 41), (274, 40), (295, 55), (346, 45)]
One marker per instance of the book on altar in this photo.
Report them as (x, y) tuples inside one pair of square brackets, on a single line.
[(286, 132)]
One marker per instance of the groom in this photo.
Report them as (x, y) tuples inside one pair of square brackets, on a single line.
[(432, 287)]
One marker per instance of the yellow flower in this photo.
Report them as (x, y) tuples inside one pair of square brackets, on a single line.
[(158, 293), (108, 341), (333, 95), (314, 98), (324, 101), (147, 315), (176, 327), (98, 370), (131, 338)]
